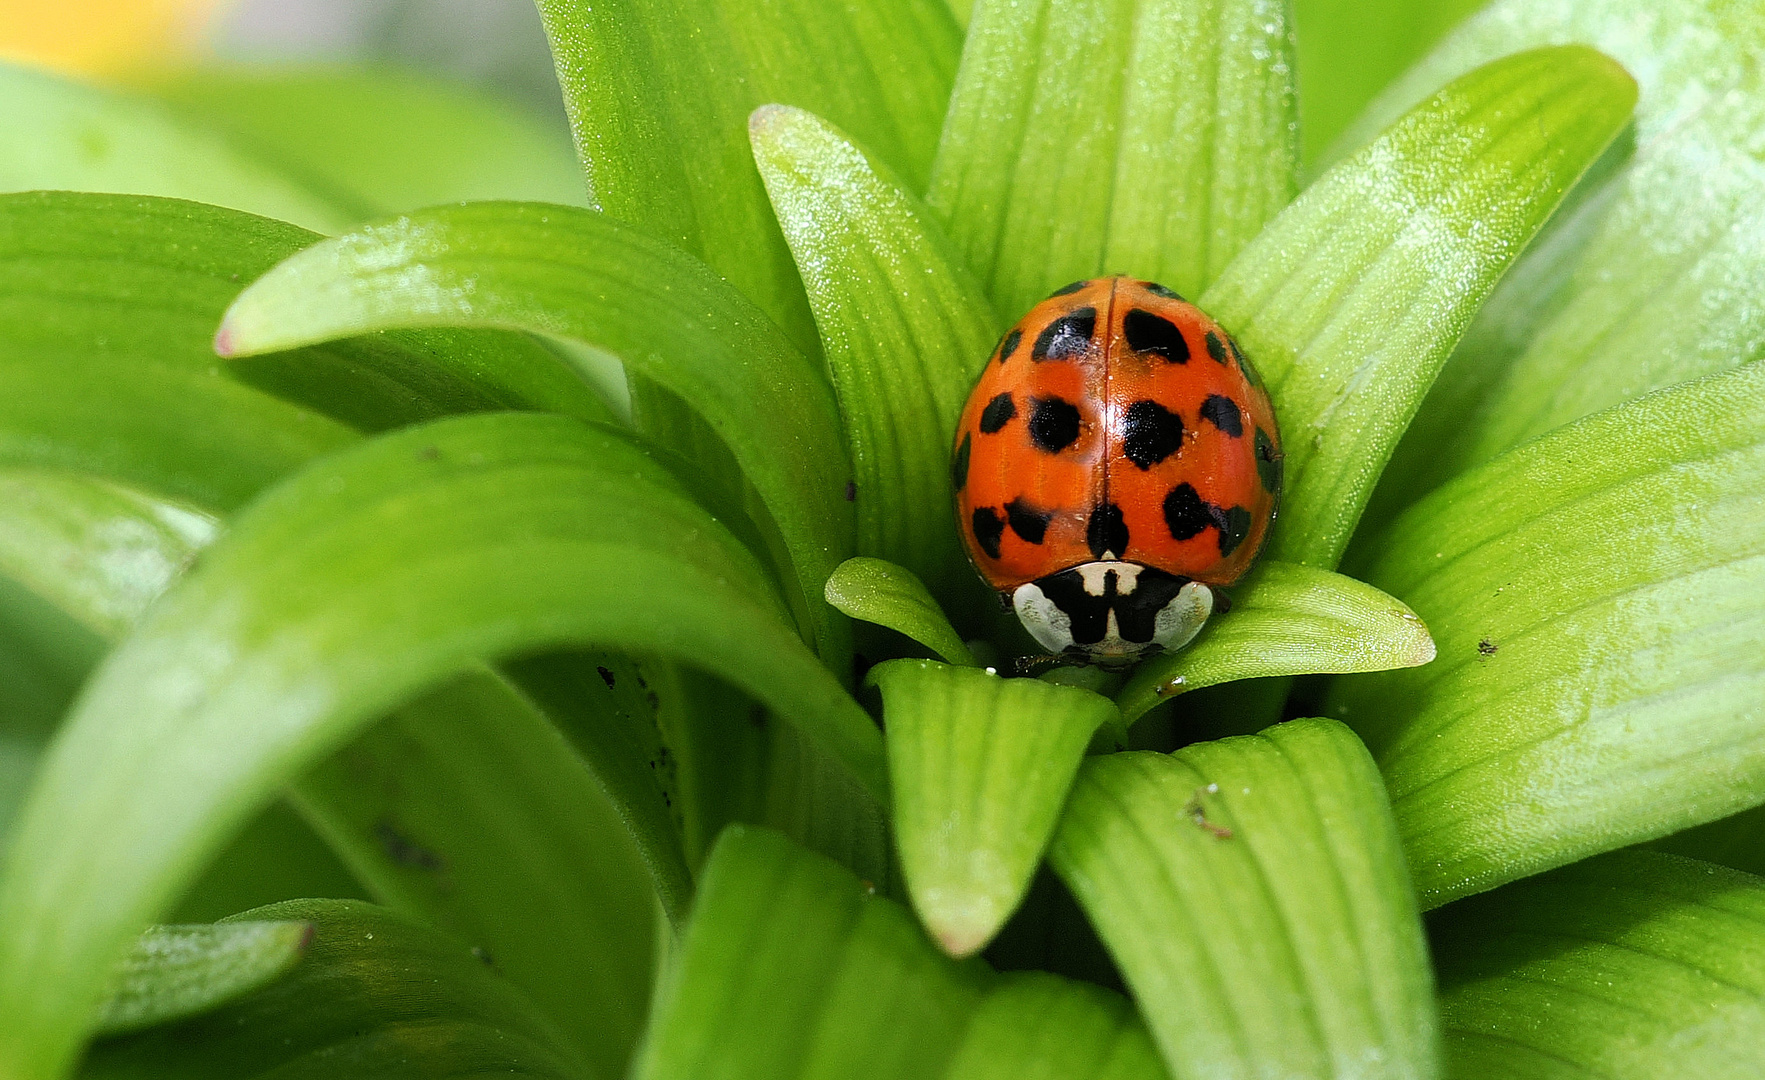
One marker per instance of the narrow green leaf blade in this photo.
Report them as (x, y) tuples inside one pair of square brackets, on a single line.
[(490, 535), (1350, 301), (903, 325), (791, 967), (376, 995), (1286, 620), (1151, 137), (175, 972), (980, 767), (889, 595), (1634, 964), (573, 274), (1597, 598), (57, 133), (377, 139), (1253, 893), (659, 93)]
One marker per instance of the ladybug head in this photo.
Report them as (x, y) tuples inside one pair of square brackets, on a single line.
[(1112, 613)]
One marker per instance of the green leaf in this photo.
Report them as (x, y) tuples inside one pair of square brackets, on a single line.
[(891, 596), (377, 140), (274, 858), (573, 274), (1596, 595), (1634, 964), (1350, 301), (1152, 137), (980, 768), (62, 134), (903, 325), (1285, 620), (1253, 893), (178, 971), (366, 578), (467, 809), (791, 967), (1731, 841), (376, 996), (659, 93)]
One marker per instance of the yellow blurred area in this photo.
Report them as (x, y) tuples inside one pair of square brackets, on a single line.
[(103, 36)]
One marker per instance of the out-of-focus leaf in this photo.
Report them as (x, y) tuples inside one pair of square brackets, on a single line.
[(793, 968), (1598, 596), (1286, 620), (360, 581), (468, 809), (274, 858), (889, 595), (377, 140), (903, 325), (178, 971), (659, 93), (56, 133), (1153, 137), (376, 995), (1634, 964), (1350, 301), (574, 274), (980, 767), (1253, 893)]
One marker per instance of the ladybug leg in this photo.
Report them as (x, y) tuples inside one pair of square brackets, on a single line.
[(1030, 666), (1221, 602), (1005, 603)]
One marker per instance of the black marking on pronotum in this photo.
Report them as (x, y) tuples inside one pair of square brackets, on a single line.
[(1106, 531), (988, 527), (1150, 433), (1216, 348), (959, 463), (1234, 526), (1223, 413), (1156, 289), (1268, 462), (1149, 333), (1185, 512), (1030, 524), (1008, 344), (1136, 611), (1068, 290), (1067, 336), (997, 414), (1054, 424)]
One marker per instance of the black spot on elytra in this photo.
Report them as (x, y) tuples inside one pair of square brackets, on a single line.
[(1223, 413), (997, 414), (1150, 433), (959, 463), (1067, 336), (1185, 512), (1156, 289), (988, 528), (1234, 526), (1030, 524), (606, 676), (1268, 462), (1054, 424), (1149, 333), (1106, 531), (1216, 348), (1068, 290), (1008, 344)]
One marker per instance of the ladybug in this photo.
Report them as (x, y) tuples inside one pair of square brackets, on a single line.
[(1117, 462)]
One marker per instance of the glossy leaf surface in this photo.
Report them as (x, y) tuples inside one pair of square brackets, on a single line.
[(178, 971), (904, 328), (1286, 620), (375, 995), (1597, 598), (1148, 137), (1253, 893), (980, 767), (573, 274), (889, 595), (1634, 964), (1349, 302), (486, 536), (792, 967)]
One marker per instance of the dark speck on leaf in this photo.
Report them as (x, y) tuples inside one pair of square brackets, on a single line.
[(430, 453), (404, 851), (851, 491), (606, 676), (1486, 648), (482, 955)]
